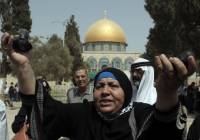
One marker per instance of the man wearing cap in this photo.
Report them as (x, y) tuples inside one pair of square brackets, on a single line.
[(142, 79)]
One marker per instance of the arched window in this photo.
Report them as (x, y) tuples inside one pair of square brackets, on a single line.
[(86, 47), (117, 63), (103, 61), (118, 48), (93, 47), (92, 63), (128, 63)]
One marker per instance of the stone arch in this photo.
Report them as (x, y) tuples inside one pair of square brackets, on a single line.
[(92, 62), (117, 63), (127, 63), (103, 61)]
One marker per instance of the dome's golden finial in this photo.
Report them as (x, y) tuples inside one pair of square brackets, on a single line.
[(105, 14)]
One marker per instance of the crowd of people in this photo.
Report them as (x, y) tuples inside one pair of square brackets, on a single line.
[(116, 107), (10, 94), (190, 97)]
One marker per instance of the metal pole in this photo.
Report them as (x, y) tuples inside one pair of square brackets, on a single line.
[(64, 23)]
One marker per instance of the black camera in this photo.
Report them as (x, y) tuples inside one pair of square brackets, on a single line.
[(21, 42), (184, 55)]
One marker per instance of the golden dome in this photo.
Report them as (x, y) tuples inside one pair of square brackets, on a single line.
[(105, 30)]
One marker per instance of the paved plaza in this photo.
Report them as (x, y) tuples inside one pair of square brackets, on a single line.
[(11, 112)]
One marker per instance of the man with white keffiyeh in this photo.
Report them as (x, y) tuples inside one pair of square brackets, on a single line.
[(142, 79)]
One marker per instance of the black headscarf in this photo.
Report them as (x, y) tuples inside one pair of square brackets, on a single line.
[(115, 127), (123, 81)]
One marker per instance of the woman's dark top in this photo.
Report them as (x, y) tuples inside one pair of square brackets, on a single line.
[(81, 122), (194, 131)]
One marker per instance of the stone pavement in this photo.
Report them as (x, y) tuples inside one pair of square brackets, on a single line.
[(11, 112)]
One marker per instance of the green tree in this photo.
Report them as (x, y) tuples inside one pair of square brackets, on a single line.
[(21, 15), (51, 60), (72, 41), (5, 15), (176, 27), (6, 25), (36, 42), (14, 14)]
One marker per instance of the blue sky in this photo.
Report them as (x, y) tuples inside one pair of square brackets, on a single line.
[(48, 17)]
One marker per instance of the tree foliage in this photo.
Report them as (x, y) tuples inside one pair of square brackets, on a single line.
[(72, 41), (5, 15), (52, 60), (14, 15), (176, 28), (21, 15)]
